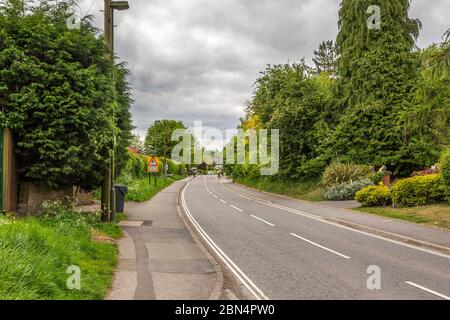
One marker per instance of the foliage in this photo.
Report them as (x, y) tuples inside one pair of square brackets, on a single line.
[(445, 168), (337, 173), (378, 177), (63, 213), (308, 190), (374, 196), (143, 189), (158, 132), (346, 190), (35, 255), (377, 71), (300, 106), (418, 191), (325, 57), (58, 96)]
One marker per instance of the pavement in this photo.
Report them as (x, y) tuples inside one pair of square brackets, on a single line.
[(160, 258), (281, 248)]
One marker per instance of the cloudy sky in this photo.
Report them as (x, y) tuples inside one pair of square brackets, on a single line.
[(198, 59)]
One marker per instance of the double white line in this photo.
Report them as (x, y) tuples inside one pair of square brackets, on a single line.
[(228, 262)]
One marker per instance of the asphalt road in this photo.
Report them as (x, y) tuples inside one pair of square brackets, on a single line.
[(278, 253)]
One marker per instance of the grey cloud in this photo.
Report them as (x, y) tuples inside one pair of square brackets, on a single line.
[(198, 59)]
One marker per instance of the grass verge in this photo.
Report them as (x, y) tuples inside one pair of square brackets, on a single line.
[(307, 190), (141, 190), (35, 254), (437, 215)]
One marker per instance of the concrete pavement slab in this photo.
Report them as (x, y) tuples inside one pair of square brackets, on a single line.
[(159, 258)]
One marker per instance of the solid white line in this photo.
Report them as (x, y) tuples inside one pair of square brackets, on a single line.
[(238, 209), (321, 219), (428, 290), (322, 247), (242, 277), (270, 224), (223, 201)]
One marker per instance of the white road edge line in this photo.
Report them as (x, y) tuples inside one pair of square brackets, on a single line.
[(320, 219), (262, 220), (236, 208), (223, 201), (428, 290), (322, 247), (229, 263)]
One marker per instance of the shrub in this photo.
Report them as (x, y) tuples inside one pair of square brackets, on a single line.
[(445, 169), (337, 173), (418, 191), (374, 196), (378, 177), (58, 212), (345, 191)]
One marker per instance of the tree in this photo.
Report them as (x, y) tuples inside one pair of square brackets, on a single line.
[(377, 71), (58, 96), (137, 142), (325, 57), (288, 98), (156, 134)]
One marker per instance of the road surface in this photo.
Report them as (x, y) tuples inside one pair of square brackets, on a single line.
[(278, 252)]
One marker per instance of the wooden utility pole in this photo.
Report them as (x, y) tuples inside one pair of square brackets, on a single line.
[(106, 185), (8, 176)]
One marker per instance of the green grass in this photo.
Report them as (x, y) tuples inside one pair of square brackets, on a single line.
[(437, 215), (307, 190), (140, 190), (35, 254)]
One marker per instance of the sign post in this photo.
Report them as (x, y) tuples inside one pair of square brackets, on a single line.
[(153, 167)]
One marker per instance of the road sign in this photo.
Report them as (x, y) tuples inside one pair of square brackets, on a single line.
[(153, 164)]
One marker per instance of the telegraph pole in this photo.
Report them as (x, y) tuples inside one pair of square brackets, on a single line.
[(106, 185)]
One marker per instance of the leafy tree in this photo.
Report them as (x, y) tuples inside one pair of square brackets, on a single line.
[(288, 98), (57, 94), (325, 57), (156, 134), (377, 70), (137, 142)]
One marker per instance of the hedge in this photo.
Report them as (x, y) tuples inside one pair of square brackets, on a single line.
[(418, 191), (374, 196)]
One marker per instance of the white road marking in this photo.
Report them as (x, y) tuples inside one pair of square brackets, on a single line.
[(322, 247), (242, 277), (428, 290), (321, 219), (238, 209), (215, 196), (223, 201), (270, 224)]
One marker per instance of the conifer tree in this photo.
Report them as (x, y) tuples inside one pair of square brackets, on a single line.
[(377, 70)]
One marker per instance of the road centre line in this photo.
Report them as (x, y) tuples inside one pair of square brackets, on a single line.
[(322, 247), (262, 220), (223, 201), (236, 208)]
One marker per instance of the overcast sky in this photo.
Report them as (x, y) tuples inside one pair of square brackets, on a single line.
[(198, 59)]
